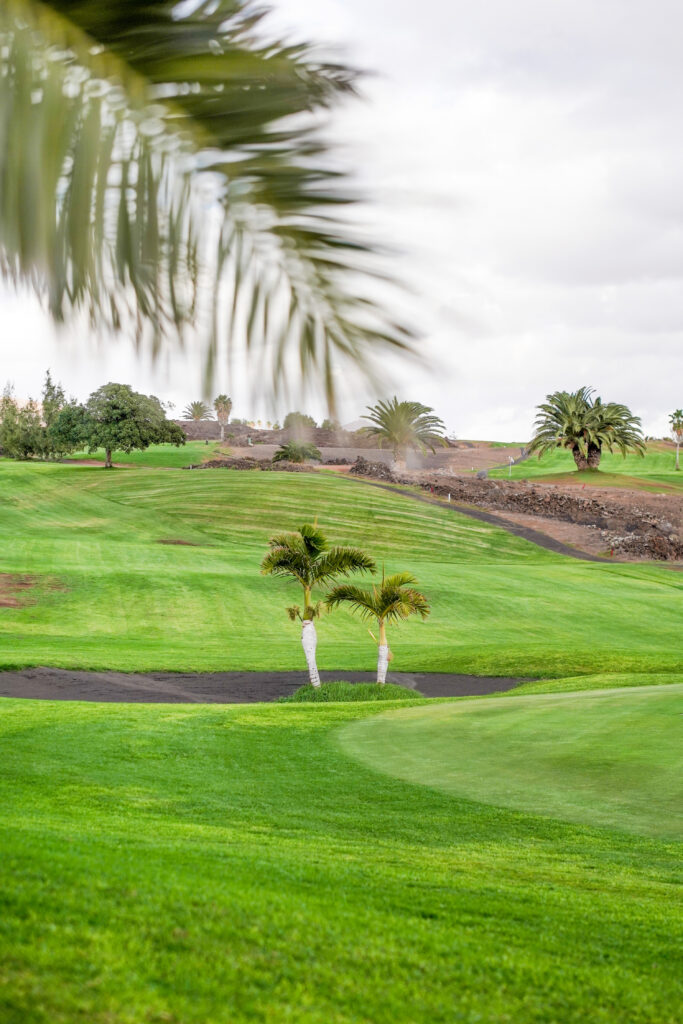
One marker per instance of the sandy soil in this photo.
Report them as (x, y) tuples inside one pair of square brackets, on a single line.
[(218, 687)]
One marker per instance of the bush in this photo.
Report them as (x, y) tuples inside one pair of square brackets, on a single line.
[(350, 691)]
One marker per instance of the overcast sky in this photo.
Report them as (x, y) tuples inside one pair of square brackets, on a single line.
[(527, 160)]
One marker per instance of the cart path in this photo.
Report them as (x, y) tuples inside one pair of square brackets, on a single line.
[(541, 540), (219, 687)]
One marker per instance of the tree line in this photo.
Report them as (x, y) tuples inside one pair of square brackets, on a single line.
[(114, 418)]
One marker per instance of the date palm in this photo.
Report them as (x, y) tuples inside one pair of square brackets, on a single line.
[(196, 411), (394, 600), (404, 425), (222, 407), (162, 161), (306, 557), (584, 426), (676, 424)]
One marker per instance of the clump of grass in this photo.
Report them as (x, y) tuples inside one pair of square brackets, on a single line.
[(340, 691)]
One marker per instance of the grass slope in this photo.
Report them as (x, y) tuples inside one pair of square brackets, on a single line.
[(605, 757), (232, 864), (112, 596), (161, 456), (654, 472)]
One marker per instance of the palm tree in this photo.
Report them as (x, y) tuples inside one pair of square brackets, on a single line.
[(306, 557), (158, 157), (222, 406), (676, 424), (403, 425), (574, 421), (293, 451), (393, 600), (196, 411)]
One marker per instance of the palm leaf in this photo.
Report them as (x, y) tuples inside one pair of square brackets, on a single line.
[(157, 157)]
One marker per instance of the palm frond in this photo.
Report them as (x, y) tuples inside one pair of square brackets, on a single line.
[(160, 162), (341, 561)]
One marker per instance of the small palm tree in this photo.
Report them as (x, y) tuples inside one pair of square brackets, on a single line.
[(293, 451), (676, 424), (574, 421), (403, 425), (306, 557), (196, 411), (222, 406), (393, 600)]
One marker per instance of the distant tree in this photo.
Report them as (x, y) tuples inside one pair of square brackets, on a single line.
[(53, 400), (298, 422), (21, 430), (575, 421), (676, 424), (294, 451), (197, 411), (222, 406), (117, 418), (69, 431), (393, 600), (404, 425), (328, 424), (306, 557)]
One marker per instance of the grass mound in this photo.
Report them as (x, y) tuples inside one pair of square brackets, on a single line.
[(340, 691)]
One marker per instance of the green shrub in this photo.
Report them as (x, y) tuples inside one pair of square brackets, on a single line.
[(350, 691)]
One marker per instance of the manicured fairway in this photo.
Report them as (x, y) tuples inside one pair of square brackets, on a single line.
[(232, 864), (605, 757), (650, 473), (161, 455), (115, 590)]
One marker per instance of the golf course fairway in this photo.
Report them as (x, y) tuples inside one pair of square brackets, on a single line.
[(611, 757)]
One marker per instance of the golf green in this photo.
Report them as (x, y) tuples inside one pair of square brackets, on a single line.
[(603, 757)]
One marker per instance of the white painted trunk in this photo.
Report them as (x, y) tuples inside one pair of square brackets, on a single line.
[(309, 642), (382, 663)]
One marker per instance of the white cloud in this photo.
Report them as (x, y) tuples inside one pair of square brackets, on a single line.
[(526, 159)]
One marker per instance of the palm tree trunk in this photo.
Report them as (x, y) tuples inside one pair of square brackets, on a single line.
[(579, 458), (382, 654), (309, 642), (594, 456), (678, 448), (222, 433)]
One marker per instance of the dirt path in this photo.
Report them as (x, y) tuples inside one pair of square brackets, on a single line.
[(542, 540), (218, 687)]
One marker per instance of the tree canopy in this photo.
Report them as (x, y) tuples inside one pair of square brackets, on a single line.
[(117, 418)]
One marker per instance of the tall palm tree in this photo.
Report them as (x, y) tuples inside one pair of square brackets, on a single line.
[(403, 425), (196, 411), (161, 162), (306, 557), (222, 406), (575, 421), (676, 424), (393, 600)]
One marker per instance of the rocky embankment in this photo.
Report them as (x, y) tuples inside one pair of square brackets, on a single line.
[(630, 528)]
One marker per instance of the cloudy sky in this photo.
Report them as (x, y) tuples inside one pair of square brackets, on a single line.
[(526, 159)]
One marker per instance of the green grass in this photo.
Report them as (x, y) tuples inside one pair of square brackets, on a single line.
[(344, 692), (605, 757), (654, 472), (232, 864), (500, 604), (162, 456)]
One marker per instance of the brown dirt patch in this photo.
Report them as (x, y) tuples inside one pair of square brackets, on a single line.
[(176, 540), (14, 589)]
